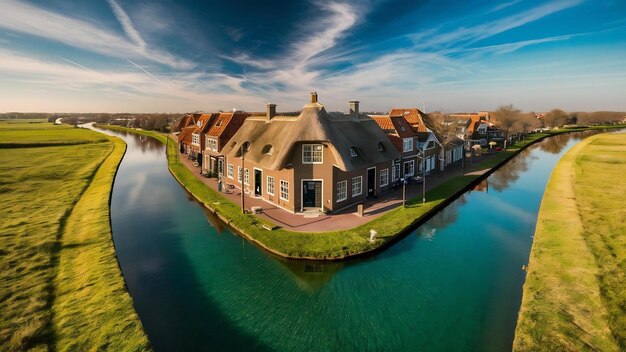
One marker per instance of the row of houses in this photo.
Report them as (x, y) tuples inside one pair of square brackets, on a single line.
[(316, 160)]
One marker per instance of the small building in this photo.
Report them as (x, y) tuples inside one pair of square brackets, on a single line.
[(313, 161), (218, 132)]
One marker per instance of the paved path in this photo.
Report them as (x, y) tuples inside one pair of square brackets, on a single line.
[(347, 218)]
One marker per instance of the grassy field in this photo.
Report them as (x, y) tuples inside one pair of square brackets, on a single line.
[(55, 239), (327, 245), (575, 292)]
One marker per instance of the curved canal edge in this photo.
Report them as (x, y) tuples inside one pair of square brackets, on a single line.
[(247, 228), (571, 296), (95, 295)]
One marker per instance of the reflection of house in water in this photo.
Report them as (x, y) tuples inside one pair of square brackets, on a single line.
[(311, 276), (483, 186)]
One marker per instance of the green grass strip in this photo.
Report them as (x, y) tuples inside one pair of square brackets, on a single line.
[(574, 295)]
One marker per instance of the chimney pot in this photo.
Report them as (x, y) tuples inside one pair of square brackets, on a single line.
[(271, 111), (313, 97), (354, 109)]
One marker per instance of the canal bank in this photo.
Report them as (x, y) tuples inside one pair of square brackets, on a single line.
[(335, 245), (454, 283)]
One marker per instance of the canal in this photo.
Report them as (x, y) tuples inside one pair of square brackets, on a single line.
[(454, 284)]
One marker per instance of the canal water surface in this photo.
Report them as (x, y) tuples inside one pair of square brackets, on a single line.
[(454, 284)]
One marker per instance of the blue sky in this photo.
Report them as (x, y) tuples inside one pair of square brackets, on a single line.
[(179, 56)]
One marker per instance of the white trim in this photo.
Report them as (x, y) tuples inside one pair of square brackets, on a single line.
[(352, 186), (404, 144), (302, 193), (312, 145), (195, 136), (367, 173), (253, 170), (228, 171), (337, 191), (246, 174), (404, 168), (267, 185), (280, 190), (380, 178)]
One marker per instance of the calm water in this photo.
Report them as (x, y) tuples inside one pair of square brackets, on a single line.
[(455, 284)]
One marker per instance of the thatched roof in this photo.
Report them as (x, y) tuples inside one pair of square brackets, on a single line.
[(273, 141)]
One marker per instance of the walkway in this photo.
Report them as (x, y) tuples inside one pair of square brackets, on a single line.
[(343, 220)]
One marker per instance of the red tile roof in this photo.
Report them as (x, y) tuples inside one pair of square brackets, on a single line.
[(412, 115)]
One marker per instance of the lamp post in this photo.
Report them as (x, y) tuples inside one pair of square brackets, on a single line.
[(243, 172), (421, 155), (403, 191)]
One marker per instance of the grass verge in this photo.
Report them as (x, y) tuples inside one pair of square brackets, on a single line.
[(336, 244), (42, 192), (574, 295)]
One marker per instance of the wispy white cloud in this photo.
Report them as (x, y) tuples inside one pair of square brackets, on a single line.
[(503, 6), (32, 20), (127, 24), (150, 74)]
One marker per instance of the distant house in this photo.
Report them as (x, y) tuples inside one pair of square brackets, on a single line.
[(413, 133), (478, 128), (454, 149), (185, 121), (215, 137), (313, 161)]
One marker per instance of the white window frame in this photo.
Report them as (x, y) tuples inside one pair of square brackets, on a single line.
[(231, 171), (313, 153), (396, 169), (342, 190), (407, 144), (360, 183), (246, 177), (412, 162), (211, 144), (270, 185), (384, 177), (284, 190), (195, 139), (239, 174)]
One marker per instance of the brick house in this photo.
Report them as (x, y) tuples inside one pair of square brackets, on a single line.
[(216, 136), (313, 161)]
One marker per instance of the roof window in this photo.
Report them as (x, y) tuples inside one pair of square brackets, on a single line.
[(353, 152)]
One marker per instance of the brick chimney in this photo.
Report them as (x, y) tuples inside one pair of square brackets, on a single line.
[(271, 111), (313, 97), (354, 109)]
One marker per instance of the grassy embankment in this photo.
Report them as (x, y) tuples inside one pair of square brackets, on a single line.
[(575, 291), (60, 284), (326, 245)]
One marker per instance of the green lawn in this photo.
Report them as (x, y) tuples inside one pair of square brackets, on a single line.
[(575, 292), (25, 134), (55, 239)]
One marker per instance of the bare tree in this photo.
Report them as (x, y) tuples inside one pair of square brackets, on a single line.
[(506, 117), (555, 118)]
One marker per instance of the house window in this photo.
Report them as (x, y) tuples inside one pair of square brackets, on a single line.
[(246, 177), (231, 171), (395, 172), (407, 144), (384, 177), (409, 168), (284, 190), (353, 152), (342, 190), (381, 148), (312, 153), (219, 123), (211, 144), (195, 139), (239, 172), (270, 185), (357, 186), (430, 145)]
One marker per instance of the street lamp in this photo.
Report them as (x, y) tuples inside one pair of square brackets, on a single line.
[(243, 173), (421, 156)]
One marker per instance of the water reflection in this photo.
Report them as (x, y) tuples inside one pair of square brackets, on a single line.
[(456, 285)]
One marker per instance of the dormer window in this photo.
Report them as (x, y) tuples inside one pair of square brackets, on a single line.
[(381, 147), (312, 153), (267, 149), (353, 152), (199, 123), (219, 123), (407, 144)]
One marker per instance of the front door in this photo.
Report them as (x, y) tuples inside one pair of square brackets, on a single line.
[(312, 194), (371, 182), (258, 182)]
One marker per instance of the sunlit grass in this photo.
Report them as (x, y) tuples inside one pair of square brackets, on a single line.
[(575, 293), (46, 200)]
